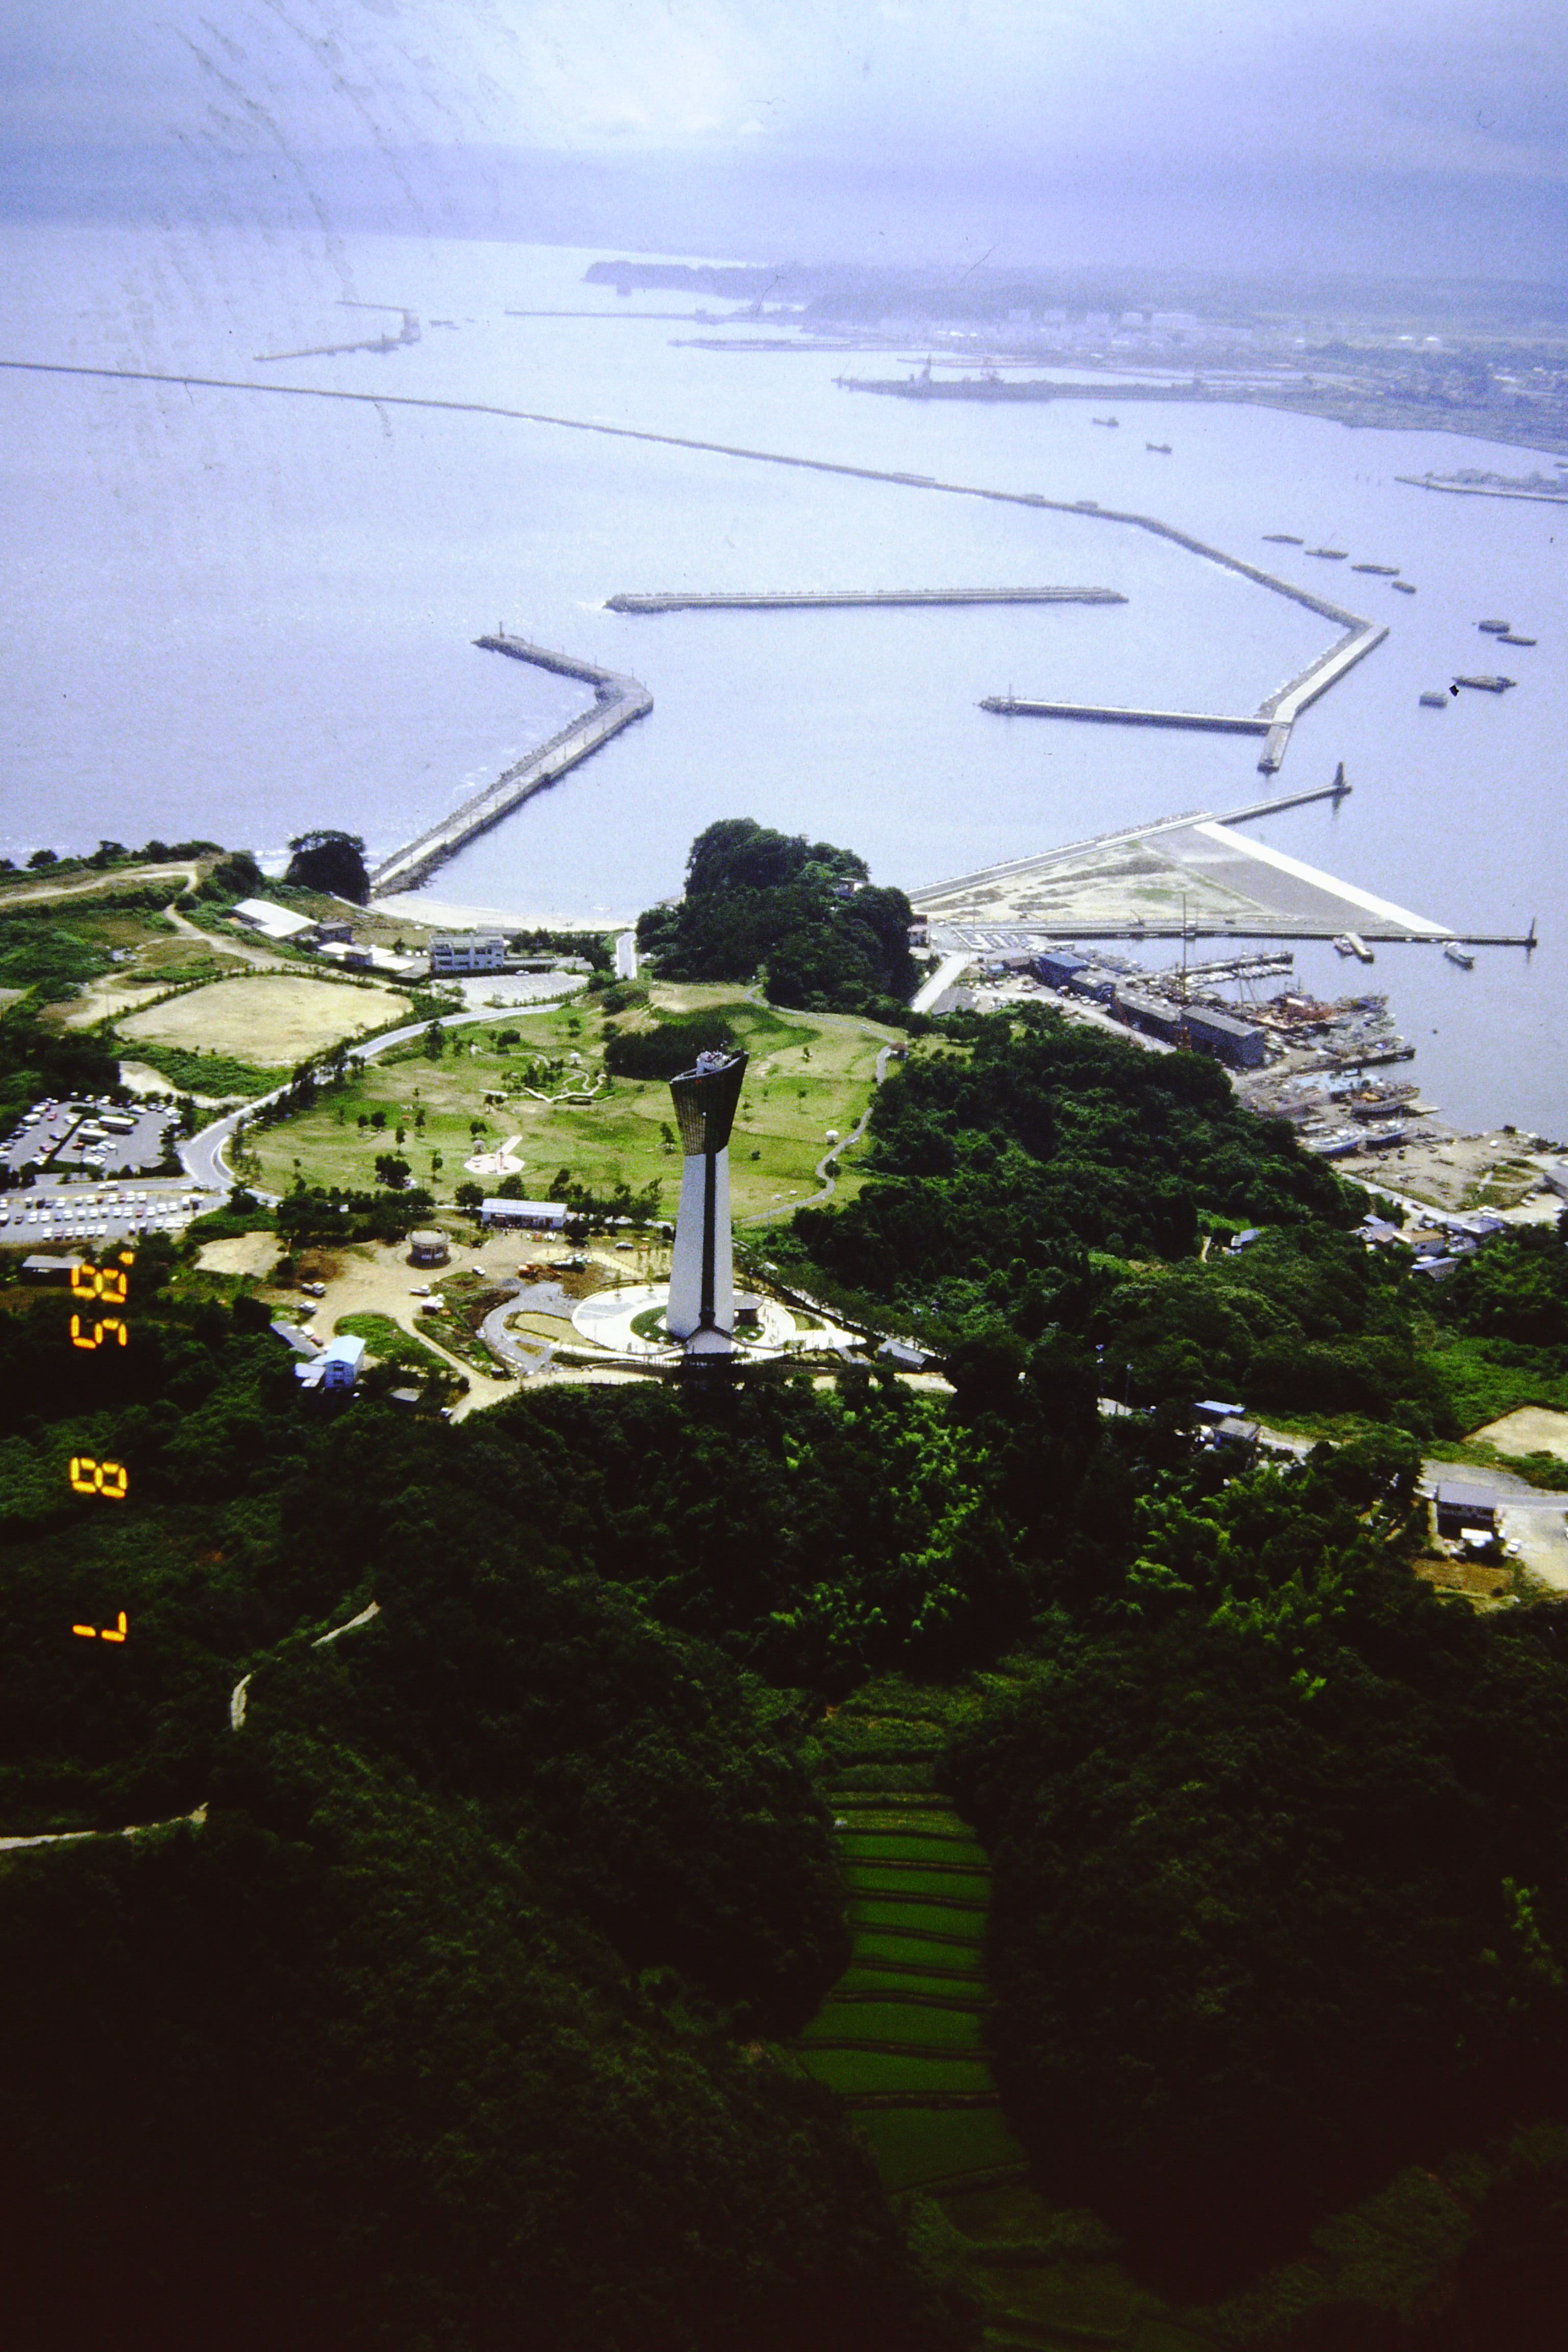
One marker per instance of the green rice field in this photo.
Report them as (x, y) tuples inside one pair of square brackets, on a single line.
[(901, 2022), (915, 2146), (931, 1918), (883, 2071), (957, 1884)]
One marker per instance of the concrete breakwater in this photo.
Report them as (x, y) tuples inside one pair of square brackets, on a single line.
[(786, 600), (1014, 707), (617, 700)]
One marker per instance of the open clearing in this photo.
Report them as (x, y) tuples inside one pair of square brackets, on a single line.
[(1531, 1430), (272, 1022)]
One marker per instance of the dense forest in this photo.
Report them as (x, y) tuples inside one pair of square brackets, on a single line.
[(803, 911), (446, 1996)]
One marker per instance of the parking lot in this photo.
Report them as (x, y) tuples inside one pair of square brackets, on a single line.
[(44, 1216), (88, 1138)]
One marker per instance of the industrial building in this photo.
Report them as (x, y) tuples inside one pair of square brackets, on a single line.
[(1239, 1042), (275, 922)]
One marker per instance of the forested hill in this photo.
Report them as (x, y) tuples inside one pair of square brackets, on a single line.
[(803, 911)]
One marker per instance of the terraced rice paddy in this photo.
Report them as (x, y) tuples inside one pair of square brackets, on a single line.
[(902, 2038)]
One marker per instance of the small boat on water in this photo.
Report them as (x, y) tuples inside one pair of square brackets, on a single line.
[(1457, 955), (1404, 587), (1488, 684), (1105, 420), (1383, 571), (1281, 539), (1161, 448), (1329, 554), (1435, 700), (1351, 943), (1507, 637), (1494, 628)]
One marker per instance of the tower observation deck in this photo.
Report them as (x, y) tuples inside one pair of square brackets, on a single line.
[(701, 1311)]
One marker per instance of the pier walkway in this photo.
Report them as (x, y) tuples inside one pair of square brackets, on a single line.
[(616, 703)]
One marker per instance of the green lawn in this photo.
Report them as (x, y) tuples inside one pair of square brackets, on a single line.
[(390, 1342), (808, 1074)]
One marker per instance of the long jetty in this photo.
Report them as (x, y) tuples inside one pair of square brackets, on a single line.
[(792, 600), (617, 700)]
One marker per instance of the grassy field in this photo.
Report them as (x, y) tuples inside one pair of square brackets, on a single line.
[(388, 1341), (270, 1020), (808, 1074)]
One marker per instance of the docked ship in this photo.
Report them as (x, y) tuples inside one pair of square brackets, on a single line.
[(1457, 954), (1351, 943)]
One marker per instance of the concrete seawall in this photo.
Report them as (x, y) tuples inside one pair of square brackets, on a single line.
[(617, 700), (832, 598)]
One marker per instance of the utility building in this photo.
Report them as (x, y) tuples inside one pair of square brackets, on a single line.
[(701, 1310)]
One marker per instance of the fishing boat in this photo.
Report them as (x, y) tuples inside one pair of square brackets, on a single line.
[(1488, 684), (1105, 420), (1404, 587), (1329, 554), (1457, 955), (1161, 448), (1351, 943), (1383, 571), (1507, 639), (1435, 700), (1280, 539), (1494, 628)]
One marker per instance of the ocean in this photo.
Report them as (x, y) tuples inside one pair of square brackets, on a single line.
[(236, 614)]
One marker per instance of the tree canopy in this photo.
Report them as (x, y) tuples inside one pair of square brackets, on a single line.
[(329, 861)]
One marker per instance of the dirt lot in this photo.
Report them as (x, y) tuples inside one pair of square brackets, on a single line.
[(268, 1021), (1531, 1430)]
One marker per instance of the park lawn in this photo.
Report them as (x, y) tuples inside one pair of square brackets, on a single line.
[(624, 1136), (910, 2146), (898, 2022), (882, 1911), (849, 2072)]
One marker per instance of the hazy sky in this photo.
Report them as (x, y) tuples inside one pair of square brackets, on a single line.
[(1426, 133)]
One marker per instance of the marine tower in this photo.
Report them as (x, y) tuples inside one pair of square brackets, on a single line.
[(701, 1310)]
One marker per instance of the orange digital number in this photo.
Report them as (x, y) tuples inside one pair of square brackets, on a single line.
[(97, 1334), (110, 1479), (107, 1282), (102, 1632)]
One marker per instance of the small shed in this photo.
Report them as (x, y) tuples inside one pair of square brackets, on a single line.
[(427, 1247), (902, 1356), (41, 1268)]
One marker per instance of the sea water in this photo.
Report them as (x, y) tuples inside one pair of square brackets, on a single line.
[(240, 614)]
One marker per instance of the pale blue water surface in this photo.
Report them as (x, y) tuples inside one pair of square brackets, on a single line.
[(237, 614)]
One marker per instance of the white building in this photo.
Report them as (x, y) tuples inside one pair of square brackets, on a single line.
[(539, 1216), (467, 951), (274, 922)]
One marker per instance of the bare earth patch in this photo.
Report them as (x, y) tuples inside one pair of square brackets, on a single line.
[(266, 1021), (1531, 1430), (240, 1253)]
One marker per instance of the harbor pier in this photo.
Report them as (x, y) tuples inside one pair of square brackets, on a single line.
[(832, 598)]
